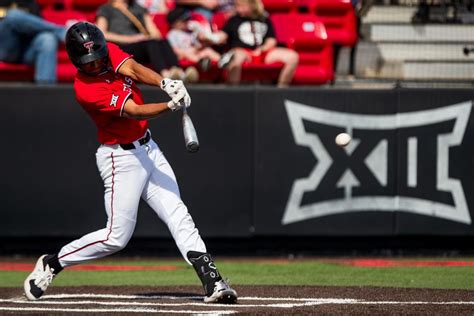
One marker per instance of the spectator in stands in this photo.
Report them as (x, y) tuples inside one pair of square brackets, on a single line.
[(191, 41), (154, 6), (130, 26), (251, 36), (27, 38)]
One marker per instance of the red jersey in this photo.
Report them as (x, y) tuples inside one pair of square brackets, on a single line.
[(103, 98)]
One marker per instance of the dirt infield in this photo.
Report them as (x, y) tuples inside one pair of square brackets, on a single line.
[(253, 300)]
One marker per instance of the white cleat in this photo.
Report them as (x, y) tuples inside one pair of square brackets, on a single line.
[(223, 293), (39, 280)]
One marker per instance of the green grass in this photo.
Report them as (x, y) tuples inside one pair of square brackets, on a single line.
[(307, 272)]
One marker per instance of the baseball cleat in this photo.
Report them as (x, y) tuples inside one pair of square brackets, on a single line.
[(222, 293), (39, 280)]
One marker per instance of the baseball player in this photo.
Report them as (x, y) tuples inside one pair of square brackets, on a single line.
[(130, 163)]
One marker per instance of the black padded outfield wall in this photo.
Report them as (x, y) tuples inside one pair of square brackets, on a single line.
[(268, 164), (409, 169)]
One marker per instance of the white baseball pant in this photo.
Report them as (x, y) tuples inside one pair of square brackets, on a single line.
[(128, 175)]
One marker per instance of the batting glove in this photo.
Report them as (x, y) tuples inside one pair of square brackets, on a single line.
[(177, 92), (177, 102)]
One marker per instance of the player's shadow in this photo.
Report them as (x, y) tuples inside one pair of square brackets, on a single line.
[(171, 296)]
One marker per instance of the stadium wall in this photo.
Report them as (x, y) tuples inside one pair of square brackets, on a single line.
[(268, 165)]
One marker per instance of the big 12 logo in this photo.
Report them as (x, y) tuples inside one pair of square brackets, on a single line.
[(379, 170)]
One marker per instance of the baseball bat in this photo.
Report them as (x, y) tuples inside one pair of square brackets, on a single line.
[(190, 135)]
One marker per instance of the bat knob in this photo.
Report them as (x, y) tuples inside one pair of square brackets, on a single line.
[(192, 147)]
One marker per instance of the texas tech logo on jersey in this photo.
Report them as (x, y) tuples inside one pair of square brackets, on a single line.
[(379, 170)]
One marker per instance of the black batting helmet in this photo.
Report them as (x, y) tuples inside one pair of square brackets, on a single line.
[(85, 43)]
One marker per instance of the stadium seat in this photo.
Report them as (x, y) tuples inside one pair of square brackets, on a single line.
[(338, 17), (160, 21), (15, 72), (219, 19), (87, 5), (66, 72), (307, 35), (46, 3), (274, 6), (61, 17), (53, 3), (258, 71)]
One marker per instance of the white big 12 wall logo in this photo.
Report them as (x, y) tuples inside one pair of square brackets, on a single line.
[(380, 169)]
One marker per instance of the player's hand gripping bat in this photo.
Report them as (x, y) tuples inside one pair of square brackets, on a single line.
[(190, 136)]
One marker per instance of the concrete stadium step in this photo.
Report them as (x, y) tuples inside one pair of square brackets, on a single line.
[(368, 63), (389, 14), (419, 33), (418, 70), (437, 70), (419, 51)]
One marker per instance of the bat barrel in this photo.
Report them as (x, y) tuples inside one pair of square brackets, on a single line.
[(190, 136), (192, 146)]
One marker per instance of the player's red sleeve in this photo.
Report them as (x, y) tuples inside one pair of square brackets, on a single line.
[(117, 56), (103, 99)]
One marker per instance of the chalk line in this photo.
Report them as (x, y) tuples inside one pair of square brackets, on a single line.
[(114, 310)]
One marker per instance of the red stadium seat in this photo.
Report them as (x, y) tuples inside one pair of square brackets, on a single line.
[(15, 72), (62, 16), (161, 23), (46, 3), (66, 72), (54, 3), (219, 19), (307, 35), (87, 5), (19, 72), (339, 18), (274, 6), (171, 4), (258, 71)]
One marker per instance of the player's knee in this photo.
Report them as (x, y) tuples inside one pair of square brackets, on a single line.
[(118, 239), (115, 244)]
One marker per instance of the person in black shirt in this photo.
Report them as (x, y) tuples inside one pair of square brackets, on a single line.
[(251, 36)]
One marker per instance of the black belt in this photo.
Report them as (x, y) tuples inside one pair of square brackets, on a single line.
[(141, 141)]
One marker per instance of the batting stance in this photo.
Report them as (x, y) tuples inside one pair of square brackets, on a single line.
[(131, 164)]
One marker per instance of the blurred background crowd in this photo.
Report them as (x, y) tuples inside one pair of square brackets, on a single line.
[(281, 42)]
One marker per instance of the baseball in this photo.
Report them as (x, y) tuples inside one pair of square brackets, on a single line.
[(343, 139)]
